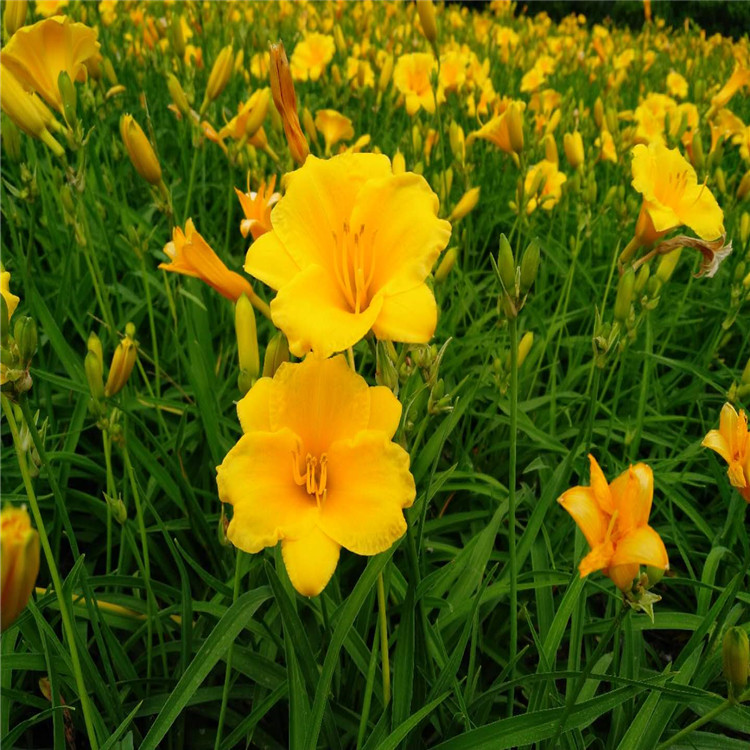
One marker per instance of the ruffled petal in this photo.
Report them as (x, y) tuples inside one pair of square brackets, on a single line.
[(253, 408), (269, 261), (642, 546), (385, 411), (310, 561), (590, 518), (409, 316), (256, 478), (369, 485)]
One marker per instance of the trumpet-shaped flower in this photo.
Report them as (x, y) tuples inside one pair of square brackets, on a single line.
[(257, 208), (334, 126), (351, 247), (732, 442), (499, 130), (37, 55), (316, 469), (740, 77), (311, 55), (543, 184), (614, 519), (412, 77)]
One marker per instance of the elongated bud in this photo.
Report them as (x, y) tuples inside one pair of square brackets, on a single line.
[(219, 77), (599, 112), (109, 71), (308, 122), (506, 265), (399, 163), (745, 227), (338, 38), (426, 11), (467, 204), (743, 189), (11, 140), (736, 659), (94, 367), (25, 335), (385, 74), (247, 343), (550, 149), (139, 150), (524, 346), (385, 367), (123, 361), (458, 142), (641, 277), (277, 352), (624, 298), (177, 93), (446, 265), (745, 377), (69, 99), (19, 551), (515, 127), (721, 182), (15, 15), (530, 266), (654, 574), (573, 146), (177, 36), (285, 100), (258, 112), (611, 117)]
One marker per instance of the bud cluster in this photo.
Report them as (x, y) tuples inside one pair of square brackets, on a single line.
[(515, 280)]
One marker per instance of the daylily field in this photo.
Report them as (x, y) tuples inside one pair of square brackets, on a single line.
[(374, 375)]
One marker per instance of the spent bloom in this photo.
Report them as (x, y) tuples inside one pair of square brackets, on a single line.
[(19, 560), (351, 247), (614, 519), (732, 442), (316, 469), (257, 208)]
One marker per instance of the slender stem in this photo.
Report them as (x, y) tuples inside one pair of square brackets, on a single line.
[(152, 327), (513, 330), (111, 495), (191, 183), (643, 396), (228, 670), (384, 641), (67, 621)]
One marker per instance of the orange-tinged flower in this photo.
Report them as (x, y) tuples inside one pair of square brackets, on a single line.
[(285, 101), (351, 247), (257, 208), (316, 469), (19, 560), (191, 255), (607, 145), (311, 55), (732, 442), (614, 519), (412, 76), (334, 126), (37, 55), (672, 196)]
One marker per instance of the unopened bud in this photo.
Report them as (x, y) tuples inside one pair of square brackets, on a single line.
[(68, 94), (446, 264), (573, 147), (277, 352), (385, 74), (529, 266), (426, 11), (11, 139), (139, 150), (696, 150), (338, 37), (624, 298), (399, 163), (123, 361), (654, 574), (458, 142), (506, 266), (550, 149), (117, 508), (25, 335), (721, 180), (667, 264), (285, 100), (599, 112), (177, 36), (15, 15), (309, 125), (745, 227), (736, 659), (515, 127), (109, 71), (743, 189), (247, 343), (385, 366), (642, 277), (179, 99), (219, 77), (467, 204), (524, 346)]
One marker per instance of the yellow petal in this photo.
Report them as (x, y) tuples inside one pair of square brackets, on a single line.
[(632, 493), (622, 575), (717, 442), (642, 546), (313, 313), (253, 408), (268, 260), (591, 519), (409, 316), (662, 217), (600, 487), (598, 559), (700, 211), (321, 401), (256, 478), (369, 484), (310, 561), (728, 422), (385, 411)]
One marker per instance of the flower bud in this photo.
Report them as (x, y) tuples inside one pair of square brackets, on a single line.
[(457, 141), (109, 71), (573, 147), (19, 559), (611, 116), (258, 112), (177, 35), (139, 150), (308, 122), (745, 377), (446, 265), (529, 266), (506, 266), (467, 204), (515, 127), (654, 574), (524, 346), (745, 227), (385, 367), (219, 77), (4, 325), (599, 112), (336, 75), (338, 38), (68, 95), (735, 654), (385, 74), (696, 150), (285, 100), (11, 140), (93, 365), (123, 361), (399, 163), (721, 181), (641, 277), (277, 352), (25, 335), (743, 189), (15, 15), (177, 93), (247, 343), (426, 11), (624, 298), (550, 149), (667, 264)]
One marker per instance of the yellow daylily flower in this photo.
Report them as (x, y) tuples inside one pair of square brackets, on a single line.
[(740, 77), (606, 143), (677, 85), (311, 55), (37, 55), (614, 519), (316, 469), (334, 126), (499, 129), (732, 442), (257, 208), (19, 560), (543, 184), (47, 8), (351, 247), (412, 76), (11, 300)]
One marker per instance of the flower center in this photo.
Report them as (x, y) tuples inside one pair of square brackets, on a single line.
[(313, 477), (354, 265)]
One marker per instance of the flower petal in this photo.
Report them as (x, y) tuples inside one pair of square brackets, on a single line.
[(700, 211), (409, 316), (591, 519), (600, 486), (717, 442), (321, 401), (256, 478), (369, 484), (632, 493), (642, 546), (385, 411), (268, 260), (310, 561), (254, 407), (314, 314), (622, 575), (598, 559)]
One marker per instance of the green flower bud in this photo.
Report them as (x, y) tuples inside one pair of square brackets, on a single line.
[(529, 266), (11, 138), (506, 265), (4, 322), (642, 277), (624, 298), (247, 343), (24, 332), (94, 375), (277, 352), (446, 265), (736, 659)]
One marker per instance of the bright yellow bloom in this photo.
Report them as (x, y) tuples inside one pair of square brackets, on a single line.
[(257, 208), (47, 8), (191, 255), (140, 150), (412, 76), (498, 130), (740, 77), (543, 185), (677, 85), (311, 55), (334, 126), (316, 469), (351, 247), (732, 442), (37, 55), (11, 300), (19, 560), (614, 519), (672, 196)]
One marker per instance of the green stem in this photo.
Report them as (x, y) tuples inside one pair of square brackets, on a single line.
[(643, 397), (191, 183), (67, 621), (152, 326), (111, 494), (384, 641), (228, 670), (512, 563)]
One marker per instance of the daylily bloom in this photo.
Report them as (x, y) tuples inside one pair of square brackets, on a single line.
[(249, 117), (543, 185), (412, 77), (19, 560), (334, 126), (677, 85), (311, 55), (614, 519), (37, 55), (732, 442), (316, 469), (740, 77), (498, 130), (257, 208), (11, 300), (351, 247)]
